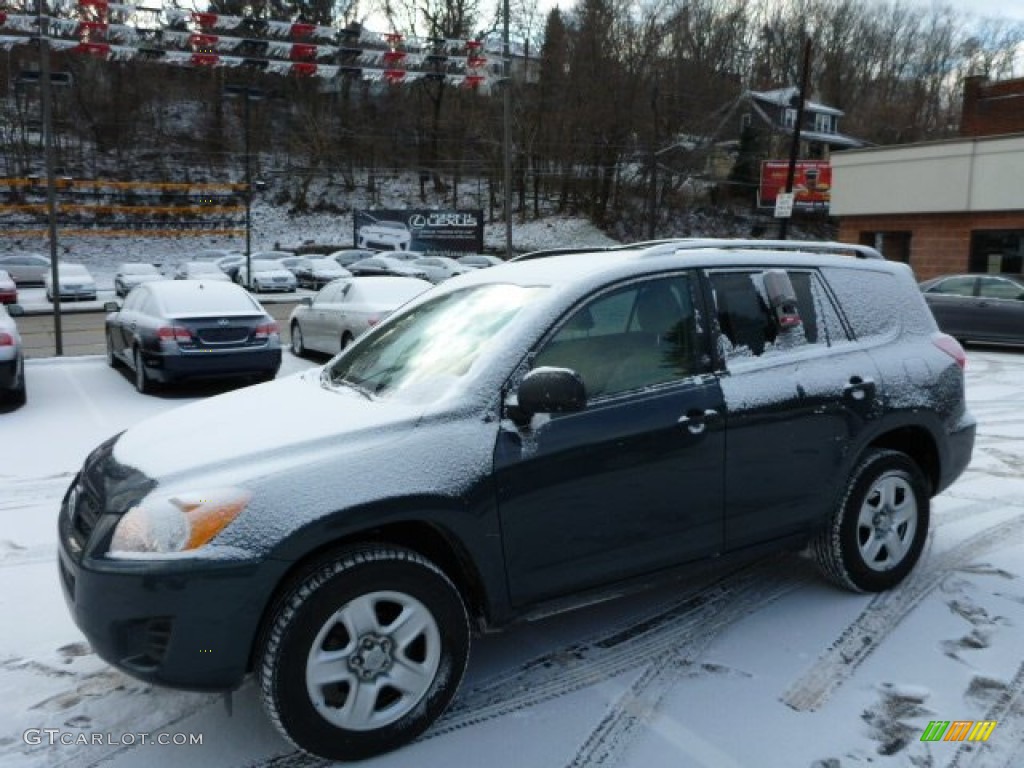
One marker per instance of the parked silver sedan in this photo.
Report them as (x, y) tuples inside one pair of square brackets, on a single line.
[(12, 360), (344, 309), (76, 282), (26, 268), (132, 274)]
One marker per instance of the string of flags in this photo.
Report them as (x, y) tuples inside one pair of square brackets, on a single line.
[(118, 32)]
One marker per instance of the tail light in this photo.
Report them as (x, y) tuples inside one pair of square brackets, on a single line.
[(174, 333), (951, 347), (265, 330), (6, 340)]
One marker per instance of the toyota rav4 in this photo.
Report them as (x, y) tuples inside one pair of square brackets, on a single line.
[(519, 438)]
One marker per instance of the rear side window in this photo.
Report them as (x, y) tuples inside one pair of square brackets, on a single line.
[(879, 304), (747, 324), (955, 286)]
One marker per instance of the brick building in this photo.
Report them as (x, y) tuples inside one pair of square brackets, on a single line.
[(945, 206)]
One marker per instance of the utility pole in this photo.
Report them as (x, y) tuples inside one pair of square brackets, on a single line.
[(43, 21), (794, 148), (506, 128)]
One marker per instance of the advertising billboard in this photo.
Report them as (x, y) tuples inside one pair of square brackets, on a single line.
[(812, 183), (411, 229)]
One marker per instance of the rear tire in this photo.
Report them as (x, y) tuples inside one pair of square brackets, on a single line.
[(111, 357), (143, 383), (878, 530), (297, 342), (363, 653)]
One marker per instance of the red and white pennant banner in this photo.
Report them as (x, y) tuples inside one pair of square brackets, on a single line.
[(305, 50)]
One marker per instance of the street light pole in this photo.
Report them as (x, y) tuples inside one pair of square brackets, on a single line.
[(43, 22), (247, 94)]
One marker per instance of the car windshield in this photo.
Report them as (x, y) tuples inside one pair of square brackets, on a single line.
[(202, 268), (266, 265), (76, 270), (184, 302), (426, 351)]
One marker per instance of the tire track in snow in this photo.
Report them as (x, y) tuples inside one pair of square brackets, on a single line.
[(1004, 747), (885, 612), (636, 708), (671, 637)]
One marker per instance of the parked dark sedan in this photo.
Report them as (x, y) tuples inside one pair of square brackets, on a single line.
[(385, 265), (983, 307), (188, 329)]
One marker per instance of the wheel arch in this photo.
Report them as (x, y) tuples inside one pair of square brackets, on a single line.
[(426, 539), (919, 444)]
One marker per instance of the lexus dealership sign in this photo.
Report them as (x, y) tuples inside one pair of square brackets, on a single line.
[(437, 232)]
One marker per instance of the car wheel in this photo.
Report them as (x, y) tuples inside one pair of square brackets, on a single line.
[(878, 531), (362, 654), (142, 381), (346, 339), (111, 357), (298, 347), (18, 396)]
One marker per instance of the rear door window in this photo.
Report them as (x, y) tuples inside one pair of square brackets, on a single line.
[(747, 324)]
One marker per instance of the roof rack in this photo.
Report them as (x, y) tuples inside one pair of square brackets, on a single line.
[(692, 244)]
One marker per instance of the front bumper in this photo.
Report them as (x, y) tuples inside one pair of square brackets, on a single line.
[(959, 452), (185, 623)]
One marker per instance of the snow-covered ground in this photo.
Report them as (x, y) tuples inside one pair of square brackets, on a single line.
[(764, 666)]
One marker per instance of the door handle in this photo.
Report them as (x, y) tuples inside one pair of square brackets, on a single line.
[(696, 421), (859, 389)]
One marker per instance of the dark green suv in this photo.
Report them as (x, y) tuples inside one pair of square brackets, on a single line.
[(527, 436)]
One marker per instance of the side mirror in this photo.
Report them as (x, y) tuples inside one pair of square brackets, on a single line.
[(15, 310), (306, 301), (111, 306), (782, 298), (550, 390)]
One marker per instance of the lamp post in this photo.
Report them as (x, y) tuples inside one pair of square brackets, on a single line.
[(248, 95), (43, 20)]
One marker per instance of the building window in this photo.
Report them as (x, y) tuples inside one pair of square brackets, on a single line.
[(997, 250), (789, 117), (824, 123), (894, 246)]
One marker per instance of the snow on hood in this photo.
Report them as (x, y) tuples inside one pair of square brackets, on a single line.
[(241, 431)]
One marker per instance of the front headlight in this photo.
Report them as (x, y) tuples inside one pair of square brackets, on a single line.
[(177, 522)]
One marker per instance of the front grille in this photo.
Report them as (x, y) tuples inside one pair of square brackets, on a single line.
[(223, 335), (86, 507)]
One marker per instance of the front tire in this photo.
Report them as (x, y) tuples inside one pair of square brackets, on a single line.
[(878, 531), (363, 653)]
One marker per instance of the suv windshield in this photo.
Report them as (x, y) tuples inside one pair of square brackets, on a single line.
[(425, 352)]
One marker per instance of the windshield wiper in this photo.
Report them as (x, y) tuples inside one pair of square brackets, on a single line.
[(327, 381)]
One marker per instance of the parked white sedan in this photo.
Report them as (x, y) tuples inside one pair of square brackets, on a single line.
[(344, 309), (75, 283)]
